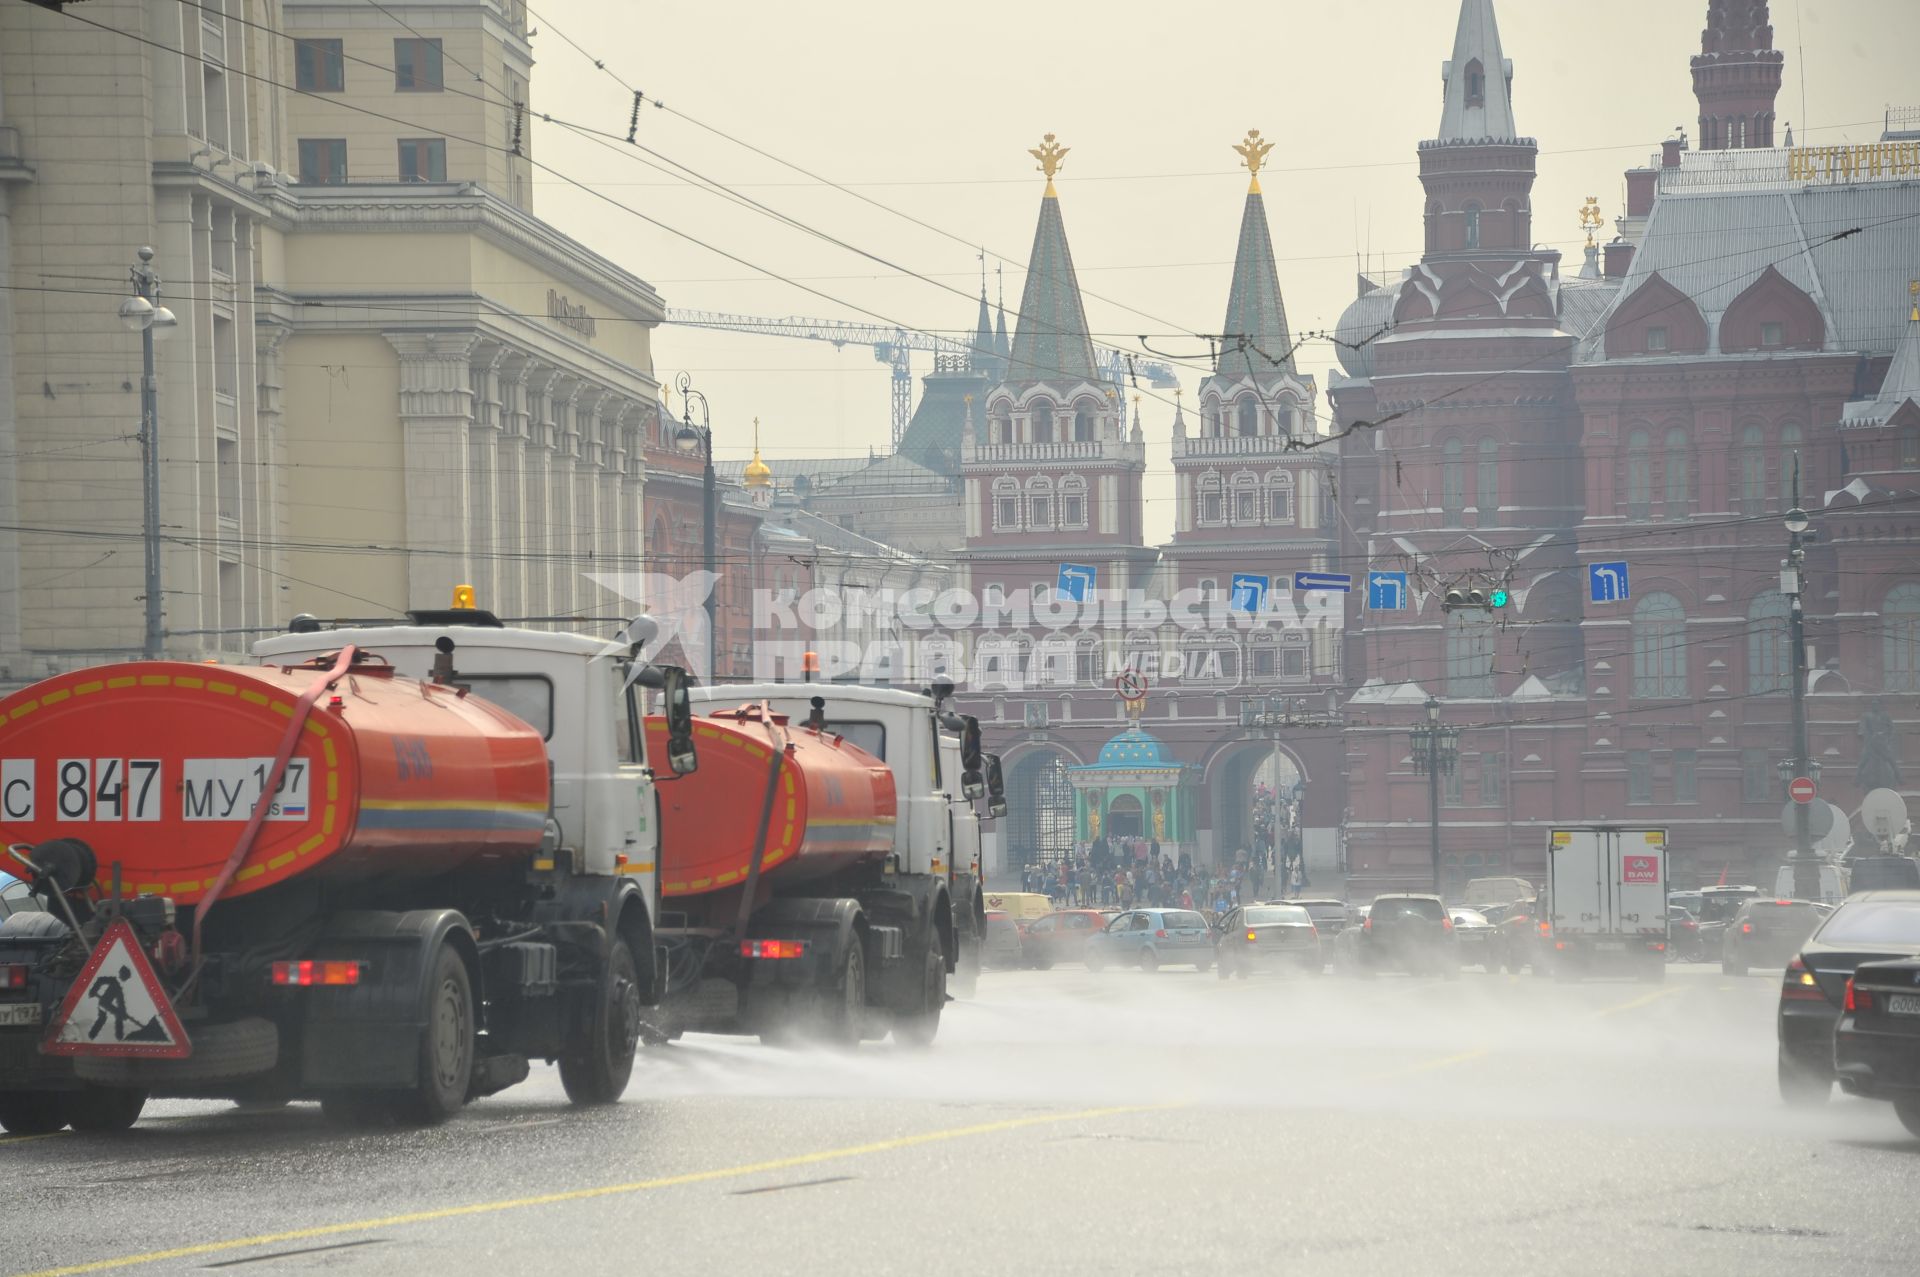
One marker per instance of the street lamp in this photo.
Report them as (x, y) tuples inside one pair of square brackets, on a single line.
[(690, 438), (1278, 716), (1435, 751), (143, 314), (1806, 874)]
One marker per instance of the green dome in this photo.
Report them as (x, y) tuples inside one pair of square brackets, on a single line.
[(1134, 748)]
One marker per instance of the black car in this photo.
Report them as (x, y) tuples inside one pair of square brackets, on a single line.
[(1717, 907), (1765, 933), (1876, 1045), (1267, 938), (1402, 932), (1869, 927)]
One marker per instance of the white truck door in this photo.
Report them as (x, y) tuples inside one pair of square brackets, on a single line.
[(1640, 857), (1576, 880)]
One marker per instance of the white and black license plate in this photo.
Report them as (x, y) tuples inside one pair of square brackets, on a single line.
[(1903, 1004), (18, 1014)]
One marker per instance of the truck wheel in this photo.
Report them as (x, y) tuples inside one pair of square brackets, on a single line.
[(446, 1046), (845, 1004), (100, 1109), (599, 1075), (920, 1027), (221, 1053), (34, 1112), (1800, 1086)]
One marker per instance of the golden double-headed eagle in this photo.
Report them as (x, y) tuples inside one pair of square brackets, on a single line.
[(1050, 155), (1253, 151)]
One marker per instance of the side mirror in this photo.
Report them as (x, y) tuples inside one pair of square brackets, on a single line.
[(996, 787), (681, 757), (973, 784)]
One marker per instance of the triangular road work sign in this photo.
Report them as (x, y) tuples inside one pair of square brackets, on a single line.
[(117, 1006)]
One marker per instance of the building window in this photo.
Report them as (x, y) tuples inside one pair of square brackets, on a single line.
[(1006, 514), (1073, 510), (416, 65), (226, 454), (1209, 588), (1686, 776), (1453, 787), (1789, 458), (1756, 776), (1493, 780), (1767, 652), (994, 594), (1639, 475), (1086, 664), (1487, 478), (1659, 648), (1677, 491), (1043, 422), (1280, 498), (1249, 416), (1246, 506), (1657, 340), (1470, 654), (1293, 662), (1083, 425), (323, 161), (1213, 507), (1040, 510), (1639, 777), (423, 159), (1473, 225), (1909, 449), (1900, 642), (318, 66), (1453, 480), (1476, 84), (1263, 662), (1753, 471), (1772, 336)]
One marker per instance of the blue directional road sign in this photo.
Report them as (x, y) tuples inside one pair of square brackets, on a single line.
[(1076, 581), (1386, 591), (1341, 581), (1249, 593), (1607, 582)]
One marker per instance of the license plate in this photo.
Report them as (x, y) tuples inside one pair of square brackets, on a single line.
[(1611, 944), (19, 1014), (1903, 1004)]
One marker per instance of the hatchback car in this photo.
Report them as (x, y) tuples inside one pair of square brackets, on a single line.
[(1402, 932), (1152, 938), (1269, 937), (1765, 933), (1869, 927), (1062, 936), (1876, 1044), (1001, 947)]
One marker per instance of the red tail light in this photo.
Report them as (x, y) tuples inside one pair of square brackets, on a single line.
[(1746, 928), (781, 949), (1858, 999), (1162, 934), (13, 975), (1446, 924), (1798, 985), (1546, 928), (308, 975), (1368, 924)]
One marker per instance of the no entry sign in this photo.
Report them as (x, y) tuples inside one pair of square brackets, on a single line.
[(1801, 790)]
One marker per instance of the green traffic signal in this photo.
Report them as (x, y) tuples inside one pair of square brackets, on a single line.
[(1498, 598)]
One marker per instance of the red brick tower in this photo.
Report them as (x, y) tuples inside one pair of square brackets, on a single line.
[(1737, 76)]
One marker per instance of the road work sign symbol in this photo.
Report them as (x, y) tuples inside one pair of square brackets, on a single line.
[(117, 1006), (1640, 869), (1607, 582)]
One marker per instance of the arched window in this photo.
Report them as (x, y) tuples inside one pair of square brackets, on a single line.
[(1790, 439), (1659, 648), (1473, 225), (1767, 653), (1453, 479), (1006, 504), (1083, 424), (1279, 497), (1639, 475), (1040, 502), (1213, 427), (1487, 479), (1042, 412), (1470, 654), (1073, 502), (1677, 489), (1246, 498), (1283, 417), (1213, 509), (1753, 470), (1900, 642), (1249, 414), (1476, 84)]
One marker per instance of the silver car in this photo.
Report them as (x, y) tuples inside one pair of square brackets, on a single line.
[(1152, 938)]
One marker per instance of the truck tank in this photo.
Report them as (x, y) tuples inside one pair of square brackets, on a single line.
[(834, 804), (158, 766)]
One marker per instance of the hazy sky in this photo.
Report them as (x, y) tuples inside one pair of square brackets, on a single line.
[(930, 112)]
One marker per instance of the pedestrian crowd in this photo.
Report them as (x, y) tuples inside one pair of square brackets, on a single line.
[(1124, 872)]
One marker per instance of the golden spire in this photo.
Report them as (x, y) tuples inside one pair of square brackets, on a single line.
[(1051, 155), (758, 473), (1590, 219), (1252, 153)]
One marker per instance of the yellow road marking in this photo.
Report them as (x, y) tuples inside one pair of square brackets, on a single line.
[(1647, 999), (605, 1190), (28, 1139), (1427, 1066)]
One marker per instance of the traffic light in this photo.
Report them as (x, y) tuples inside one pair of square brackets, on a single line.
[(1497, 600), (1474, 600)]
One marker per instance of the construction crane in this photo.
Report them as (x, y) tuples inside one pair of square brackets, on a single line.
[(894, 346)]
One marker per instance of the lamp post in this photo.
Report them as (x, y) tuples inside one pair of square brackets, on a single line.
[(142, 313), (1278, 716), (689, 438), (1806, 873), (1435, 750)]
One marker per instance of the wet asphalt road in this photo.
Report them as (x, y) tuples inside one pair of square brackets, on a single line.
[(1066, 1122)]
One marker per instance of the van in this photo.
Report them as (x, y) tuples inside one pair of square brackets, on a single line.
[(1872, 873), (1022, 906), (1833, 884)]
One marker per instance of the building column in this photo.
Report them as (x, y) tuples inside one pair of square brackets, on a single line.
[(272, 486), (436, 417), (536, 543), (563, 515), (484, 547), (510, 532)]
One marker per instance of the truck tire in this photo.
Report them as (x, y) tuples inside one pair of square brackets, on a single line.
[(918, 1028), (34, 1112), (221, 1053), (599, 1074), (105, 1109), (446, 1046), (844, 1006)]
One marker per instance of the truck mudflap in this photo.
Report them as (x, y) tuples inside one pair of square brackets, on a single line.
[(367, 1035)]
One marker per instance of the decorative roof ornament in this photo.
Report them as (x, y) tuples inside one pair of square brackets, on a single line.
[(758, 473), (1590, 219), (1051, 156), (1253, 152), (1913, 291)]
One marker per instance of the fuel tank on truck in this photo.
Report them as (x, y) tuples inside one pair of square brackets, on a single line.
[(158, 766), (833, 805)]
